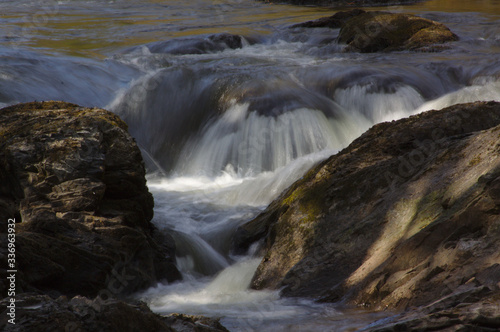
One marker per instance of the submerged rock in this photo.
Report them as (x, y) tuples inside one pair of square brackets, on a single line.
[(74, 181), (378, 31), (201, 45), (407, 215), (42, 313)]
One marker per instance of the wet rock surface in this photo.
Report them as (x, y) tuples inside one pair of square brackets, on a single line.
[(405, 217), (74, 180), (378, 31), (201, 45), (42, 313), (383, 31), (446, 315)]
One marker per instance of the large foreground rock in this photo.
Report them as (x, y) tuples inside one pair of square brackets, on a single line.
[(73, 179), (377, 31), (408, 215)]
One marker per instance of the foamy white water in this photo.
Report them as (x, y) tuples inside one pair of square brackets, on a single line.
[(228, 296), (253, 143), (482, 89)]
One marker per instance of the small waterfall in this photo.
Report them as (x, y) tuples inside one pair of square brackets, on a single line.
[(165, 107), (252, 143), (230, 141), (481, 89), (379, 107), (227, 293), (198, 257)]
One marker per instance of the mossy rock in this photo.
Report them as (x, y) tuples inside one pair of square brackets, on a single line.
[(384, 31)]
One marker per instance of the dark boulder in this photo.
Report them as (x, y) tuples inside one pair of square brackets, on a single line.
[(378, 31), (74, 181), (383, 31)]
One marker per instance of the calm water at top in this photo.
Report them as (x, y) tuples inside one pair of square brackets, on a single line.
[(99, 28)]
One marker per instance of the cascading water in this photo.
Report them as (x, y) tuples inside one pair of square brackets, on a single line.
[(253, 143), (256, 139), (226, 123)]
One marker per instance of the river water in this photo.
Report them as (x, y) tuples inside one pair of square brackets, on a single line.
[(225, 130)]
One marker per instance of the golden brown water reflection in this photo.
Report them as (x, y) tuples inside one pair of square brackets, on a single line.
[(491, 7), (96, 29)]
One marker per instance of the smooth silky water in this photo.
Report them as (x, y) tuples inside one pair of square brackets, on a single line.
[(224, 131)]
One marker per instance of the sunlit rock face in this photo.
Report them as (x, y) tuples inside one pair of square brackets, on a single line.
[(378, 31), (384, 31), (404, 216)]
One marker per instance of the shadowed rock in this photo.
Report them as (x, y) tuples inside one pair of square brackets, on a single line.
[(74, 180), (42, 313)]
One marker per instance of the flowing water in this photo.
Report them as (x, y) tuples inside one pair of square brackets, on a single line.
[(227, 122)]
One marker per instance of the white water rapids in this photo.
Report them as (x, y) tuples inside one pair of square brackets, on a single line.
[(203, 211), (224, 131)]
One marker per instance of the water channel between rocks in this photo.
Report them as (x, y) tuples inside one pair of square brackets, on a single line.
[(225, 130)]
